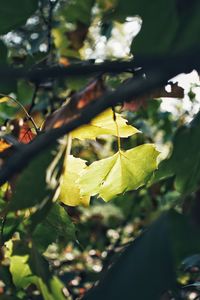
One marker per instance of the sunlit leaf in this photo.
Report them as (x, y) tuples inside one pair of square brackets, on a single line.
[(27, 267), (4, 99), (69, 188), (25, 134), (20, 270), (4, 145), (124, 171), (60, 41), (105, 124)]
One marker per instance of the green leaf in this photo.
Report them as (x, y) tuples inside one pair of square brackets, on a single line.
[(184, 236), (25, 92), (56, 287), (4, 99), (60, 41), (56, 226), (20, 271), (59, 219), (146, 269), (50, 286), (12, 224), (27, 267), (104, 123), (184, 162), (31, 188), (39, 265), (19, 268), (119, 173), (187, 36), (69, 188), (157, 33), (167, 26), (40, 214), (78, 11), (15, 13)]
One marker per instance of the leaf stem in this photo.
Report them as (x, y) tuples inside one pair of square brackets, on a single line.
[(117, 129), (69, 144), (24, 109), (33, 99)]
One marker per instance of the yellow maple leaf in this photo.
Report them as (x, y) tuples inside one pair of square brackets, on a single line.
[(69, 189), (104, 123), (124, 171)]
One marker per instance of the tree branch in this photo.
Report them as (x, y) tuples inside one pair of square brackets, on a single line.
[(156, 76), (180, 62)]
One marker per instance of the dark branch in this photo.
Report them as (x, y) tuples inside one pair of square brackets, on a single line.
[(77, 69), (155, 77), (181, 63)]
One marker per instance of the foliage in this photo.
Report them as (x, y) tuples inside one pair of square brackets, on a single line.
[(186, 173), (119, 173), (83, 198)]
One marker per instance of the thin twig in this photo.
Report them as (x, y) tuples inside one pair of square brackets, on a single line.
[(117, 130), (33, 99), (28, 116)]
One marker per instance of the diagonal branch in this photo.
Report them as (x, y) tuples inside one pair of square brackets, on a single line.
[(156, 76)]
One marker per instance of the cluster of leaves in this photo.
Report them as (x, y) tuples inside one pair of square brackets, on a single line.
[(126, 170), (49, 247)]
